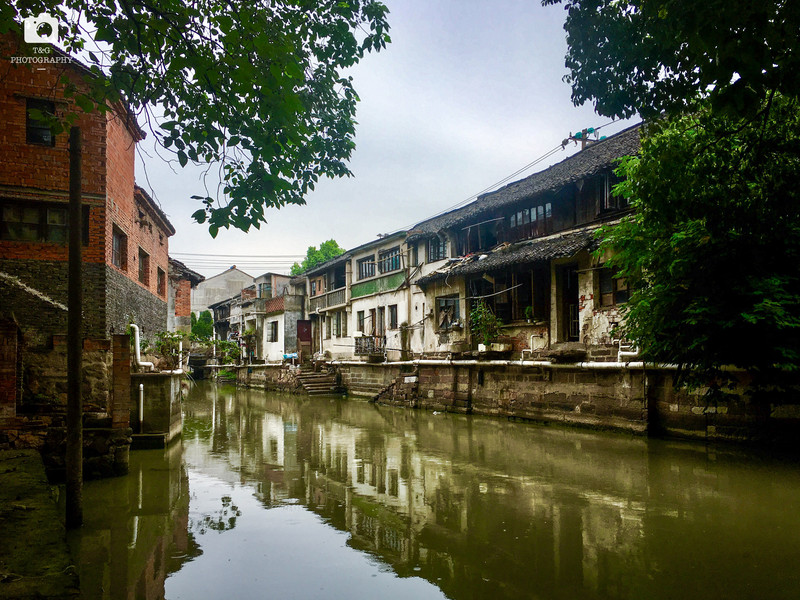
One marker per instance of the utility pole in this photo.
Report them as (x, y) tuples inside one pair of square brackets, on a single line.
[(74, 458)]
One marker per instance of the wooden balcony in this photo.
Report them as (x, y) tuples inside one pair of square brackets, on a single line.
[(329, 300)]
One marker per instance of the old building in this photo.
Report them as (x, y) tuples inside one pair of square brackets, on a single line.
[(125, 232), (219, 287), (263, 317), (527, 251), (182, 282)]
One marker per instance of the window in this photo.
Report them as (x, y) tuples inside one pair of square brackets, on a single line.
[(360, 321), (613, 290), (536, 220), (389, 260), (447, 314), (265, 290), (119, 249), (37, 128), (366, 267), (272, 331), (38, 223), (337, 324), (393, 316), (161, 282), (344, 323), (437, 249), (327, 328), (413, 255), (144, 267), (381, 324), (313, 287)]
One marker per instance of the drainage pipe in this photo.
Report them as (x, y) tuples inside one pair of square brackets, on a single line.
[(137, 356), (589, 365), (141, 406)]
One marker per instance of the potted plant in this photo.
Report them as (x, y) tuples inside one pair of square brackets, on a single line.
[(529, 314), (484, 324)]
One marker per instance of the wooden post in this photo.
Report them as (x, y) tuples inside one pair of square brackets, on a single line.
[(74, 458)]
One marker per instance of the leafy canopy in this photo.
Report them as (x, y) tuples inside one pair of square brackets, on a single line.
[(327, 250), (252, 88), (650, 56), (712, 249)]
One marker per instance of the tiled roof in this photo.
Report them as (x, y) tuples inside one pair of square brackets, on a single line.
[(561, 245), (590, 161)]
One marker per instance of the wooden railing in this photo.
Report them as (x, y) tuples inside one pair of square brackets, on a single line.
[(334, 298)]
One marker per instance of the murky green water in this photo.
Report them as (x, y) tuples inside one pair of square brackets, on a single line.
[(273, 496)]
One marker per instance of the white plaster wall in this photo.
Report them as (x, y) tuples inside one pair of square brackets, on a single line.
[(273, 351)]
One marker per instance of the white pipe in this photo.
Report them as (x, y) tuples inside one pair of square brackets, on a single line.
[(137, 357), (592, 365), (141, 406), (180, 355)]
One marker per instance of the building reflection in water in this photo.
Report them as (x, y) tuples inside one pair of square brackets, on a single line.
[(489, 508), (481, 508), (135, 531)]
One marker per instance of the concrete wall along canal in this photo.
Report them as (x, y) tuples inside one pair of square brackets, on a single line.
[(608, 397)]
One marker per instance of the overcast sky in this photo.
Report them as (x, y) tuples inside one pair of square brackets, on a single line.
[(467, 93)]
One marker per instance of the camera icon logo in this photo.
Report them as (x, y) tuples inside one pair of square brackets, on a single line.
[(42, 29)]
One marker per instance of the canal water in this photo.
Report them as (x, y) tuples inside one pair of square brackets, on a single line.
[(278, 496)]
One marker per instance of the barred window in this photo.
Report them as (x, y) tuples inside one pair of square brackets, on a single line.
[(366, 267), (389, 260)]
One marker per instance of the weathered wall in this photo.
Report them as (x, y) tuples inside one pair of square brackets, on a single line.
[(162, 404), (39, 318), (270, 377), (126, 301), (626, 399)]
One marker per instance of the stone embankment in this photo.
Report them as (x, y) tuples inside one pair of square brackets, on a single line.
[(34, 557)]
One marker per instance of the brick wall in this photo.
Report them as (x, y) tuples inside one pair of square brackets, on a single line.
[(127, 300), (183, 298), (36, 166)]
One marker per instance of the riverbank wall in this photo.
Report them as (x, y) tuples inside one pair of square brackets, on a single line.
[(622, 396)]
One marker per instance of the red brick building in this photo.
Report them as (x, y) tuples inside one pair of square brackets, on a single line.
[(182, 280), (126, 234)]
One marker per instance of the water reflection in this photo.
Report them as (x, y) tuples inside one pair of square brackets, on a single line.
[(307, 497), (135, 529)]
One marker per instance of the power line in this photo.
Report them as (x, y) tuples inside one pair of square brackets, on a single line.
[(533, 163), (286, 256)]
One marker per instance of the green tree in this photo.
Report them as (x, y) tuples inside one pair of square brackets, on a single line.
[(203, 327), (650, 56), (712, 249), (251, 88), (327, 250)]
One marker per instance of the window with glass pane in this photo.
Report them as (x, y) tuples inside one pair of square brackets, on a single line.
[(360, 321), (56, 230), (37, 128), (393, 316), (437, 249), (613, 290), (389, 260), (21, 223), (366, 267)]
